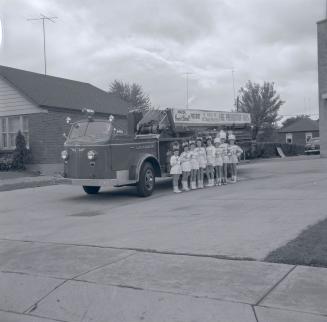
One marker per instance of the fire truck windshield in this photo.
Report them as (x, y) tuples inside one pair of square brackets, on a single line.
[(90, 131)]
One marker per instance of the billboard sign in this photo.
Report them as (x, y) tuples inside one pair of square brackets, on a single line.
[(190, 117)]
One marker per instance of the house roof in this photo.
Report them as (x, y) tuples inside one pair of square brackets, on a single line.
[(301, 125), (50, 91)]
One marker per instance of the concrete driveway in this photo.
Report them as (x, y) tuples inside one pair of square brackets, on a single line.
[(190, 257)]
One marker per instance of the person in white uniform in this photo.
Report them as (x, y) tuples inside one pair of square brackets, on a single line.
[(186, 165), (175, 168), (194, 164), (235, 153), (224, 150), (218, 161), (211, 151), (202, 159)]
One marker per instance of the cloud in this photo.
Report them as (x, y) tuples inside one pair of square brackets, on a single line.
[(154, 43)]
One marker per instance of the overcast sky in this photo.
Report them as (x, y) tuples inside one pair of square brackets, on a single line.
[(155, 42)]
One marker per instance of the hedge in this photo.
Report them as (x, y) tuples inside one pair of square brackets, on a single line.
[(6, 161), (16, 159), (269, 150)]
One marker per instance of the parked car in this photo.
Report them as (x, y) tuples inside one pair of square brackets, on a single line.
[(313, 146)]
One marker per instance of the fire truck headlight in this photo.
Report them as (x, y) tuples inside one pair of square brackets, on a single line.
[(64, 155), (91, 155)]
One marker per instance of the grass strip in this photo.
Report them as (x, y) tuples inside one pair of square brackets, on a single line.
[(309, 248)]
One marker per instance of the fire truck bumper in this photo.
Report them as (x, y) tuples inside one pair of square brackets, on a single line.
[(98, 182), (94, 182)]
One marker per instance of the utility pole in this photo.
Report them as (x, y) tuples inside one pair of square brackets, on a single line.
[(43, 18), (187, 89), (233, 77), (1, 33)]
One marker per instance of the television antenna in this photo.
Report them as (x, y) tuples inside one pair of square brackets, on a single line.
[(44, 18)]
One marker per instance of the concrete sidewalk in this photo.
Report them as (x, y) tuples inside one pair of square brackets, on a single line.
[(56, 282), (29, 182)]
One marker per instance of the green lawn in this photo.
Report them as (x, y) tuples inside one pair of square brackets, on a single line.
[(309, 248)]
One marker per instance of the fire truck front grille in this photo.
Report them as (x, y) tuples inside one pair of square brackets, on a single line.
[(80, 167), (73, 164)]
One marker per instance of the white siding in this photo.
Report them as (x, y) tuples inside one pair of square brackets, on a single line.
[(12, 102)]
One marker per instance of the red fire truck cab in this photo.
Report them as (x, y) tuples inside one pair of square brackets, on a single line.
[(98, 154)]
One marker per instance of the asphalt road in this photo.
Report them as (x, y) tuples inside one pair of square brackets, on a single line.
[(272, 203), (64, 254)]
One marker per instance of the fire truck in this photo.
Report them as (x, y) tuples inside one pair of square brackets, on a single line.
[(98, 154)]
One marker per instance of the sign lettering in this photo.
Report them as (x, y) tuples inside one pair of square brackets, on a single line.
[(200, 117)]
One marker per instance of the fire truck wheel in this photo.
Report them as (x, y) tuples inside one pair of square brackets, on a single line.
[(91, 190), (146, 183)]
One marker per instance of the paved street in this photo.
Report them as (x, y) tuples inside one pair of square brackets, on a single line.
[(196, 256)]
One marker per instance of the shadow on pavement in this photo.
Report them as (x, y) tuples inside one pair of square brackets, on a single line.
[(163, 186)]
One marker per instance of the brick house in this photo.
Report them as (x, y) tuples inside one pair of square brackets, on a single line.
[(38, 105), (299, 132)]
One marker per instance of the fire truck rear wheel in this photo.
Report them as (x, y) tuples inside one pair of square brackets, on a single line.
[(146, 183), (91, 190)]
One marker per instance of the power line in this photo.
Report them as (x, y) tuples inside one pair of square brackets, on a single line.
[(43, 18)]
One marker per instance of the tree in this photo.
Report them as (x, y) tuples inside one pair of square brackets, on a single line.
[(132, 94), (21, 153), (263, 103), (291, 120)]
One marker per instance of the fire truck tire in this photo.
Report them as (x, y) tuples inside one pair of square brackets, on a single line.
[(146, 183), (91, 190)]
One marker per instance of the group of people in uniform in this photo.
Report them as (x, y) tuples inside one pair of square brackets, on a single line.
[(210, 157)]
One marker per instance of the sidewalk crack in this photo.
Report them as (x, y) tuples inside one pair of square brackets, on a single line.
[(274, 286), (32, 315), (33, 307), (254, 313), (102, 266)]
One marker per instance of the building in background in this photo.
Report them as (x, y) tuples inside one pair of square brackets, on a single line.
[(322, 77), (299, 132), (38, 105)]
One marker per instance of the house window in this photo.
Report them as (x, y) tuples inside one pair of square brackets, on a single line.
[(289, 138), (308, 137), (9, 127)]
